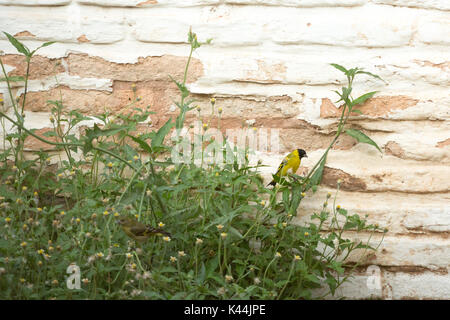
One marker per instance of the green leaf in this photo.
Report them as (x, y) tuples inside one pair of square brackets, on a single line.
[(18, 45), (363, 98), (317, 176), (144, 145), (158, 140), (361, 137), (370, 74), (339, 67), (47, 44)]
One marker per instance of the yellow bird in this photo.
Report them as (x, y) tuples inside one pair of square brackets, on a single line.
[(139, 231), (290, 162)]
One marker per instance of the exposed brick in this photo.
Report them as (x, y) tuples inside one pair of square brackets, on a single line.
[(40, 67), (157, 94), (83, 38), (444, 143), (380, 106), (393, 148), (31, 143), (149, 68), (24, 35), (348, 182)]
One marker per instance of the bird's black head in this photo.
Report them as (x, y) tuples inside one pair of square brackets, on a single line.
[(302, 153)]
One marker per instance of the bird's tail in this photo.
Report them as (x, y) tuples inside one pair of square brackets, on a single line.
[(158, 231), (273, 183)]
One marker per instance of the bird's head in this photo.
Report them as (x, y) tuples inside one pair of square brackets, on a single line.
[(123, 221), (302, 153)]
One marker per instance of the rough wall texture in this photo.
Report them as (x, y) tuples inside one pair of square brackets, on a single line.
[(269, 63)]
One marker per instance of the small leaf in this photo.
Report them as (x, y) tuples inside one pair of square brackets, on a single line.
[(157, 141), (144, 145), (339, 67), (361, 137), (19, 46), (317, 176), (370, 74), (363, 98), (47, 44)]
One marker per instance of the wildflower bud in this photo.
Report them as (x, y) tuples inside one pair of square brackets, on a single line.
[(181, 254), (223, 235), (173, 259), (277, 255), (52, 119), (220, 110), (198, 241), (213, 101)]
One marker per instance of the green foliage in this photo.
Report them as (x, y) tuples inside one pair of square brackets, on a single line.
[(232, 238)]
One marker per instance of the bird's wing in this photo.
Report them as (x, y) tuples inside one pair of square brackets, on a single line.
[(138, 230), (282, 164)]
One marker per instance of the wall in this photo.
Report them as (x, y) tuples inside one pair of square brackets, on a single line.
[(269, 64)]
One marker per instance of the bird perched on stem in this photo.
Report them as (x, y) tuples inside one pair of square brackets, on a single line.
[(290, 162), (139, 231)]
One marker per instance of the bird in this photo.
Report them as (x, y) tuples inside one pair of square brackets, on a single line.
[(139, 231), (291, 161)]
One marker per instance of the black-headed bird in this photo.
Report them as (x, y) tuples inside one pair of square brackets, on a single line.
[(139, 231), (290, 162)]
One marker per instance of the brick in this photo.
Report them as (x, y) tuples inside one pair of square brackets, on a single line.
[(443, 143), (64, 26), (303, 3), (40, 67), (374, 282), (400, 213), (149, 68), (434, 30), (377, 107), (402, 251), (362, 27), (35, 2), (148, 3), (425, 4), (31, 143), (423, 285)]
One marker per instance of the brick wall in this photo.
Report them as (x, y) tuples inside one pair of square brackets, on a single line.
[(269, 64)]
